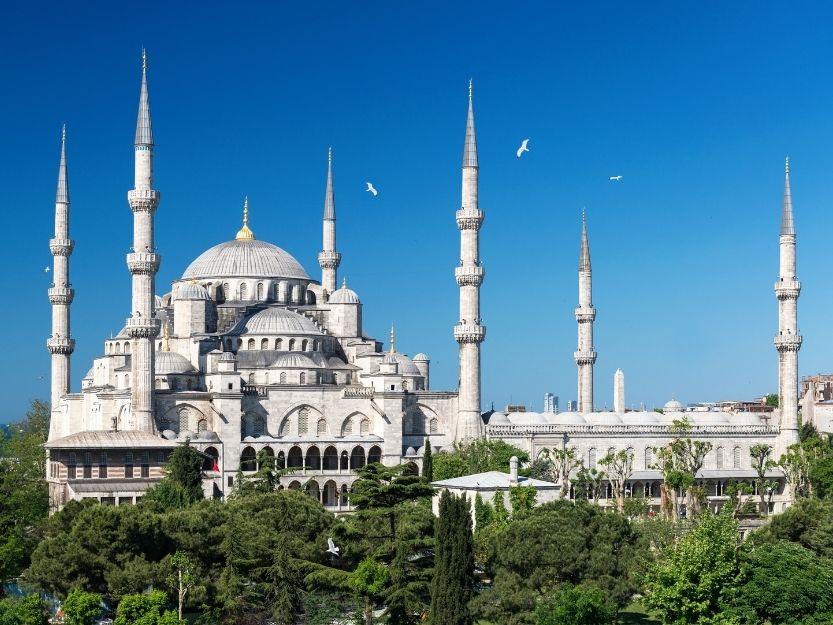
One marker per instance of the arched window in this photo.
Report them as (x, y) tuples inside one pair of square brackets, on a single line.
[(118, 348), (357, 458), (292, 345), (304, 345), (126, 347), (226, 290), (250, 344), (244, 291), (719, 458), (211, 460), (260, 290), (294, 458), (321, 428), (347, 429), (303, 379), (591, 458), (736, 458), (248, 460), (283, 377), (303, 420), (251, 378), (284, 428), (184, 424), (278, 343), (434, 426), (374, 455), (264, 343), (344, 462), (127, 380), (202, 425), (649, 458), (315, 345), (364, 427), (313, 459), (330, 459), (189, 384)]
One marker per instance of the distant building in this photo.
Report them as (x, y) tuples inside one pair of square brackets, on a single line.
[(550, 403)]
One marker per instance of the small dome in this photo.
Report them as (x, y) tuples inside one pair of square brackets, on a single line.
[(228, 357), (293, 360), (745, 418), (206, 436), (172, 362), (406, 365), (245, 258), (344, 296), (410, 451), (604, 418), (169, 434), (673, 406), (568, 418), (709, 418), (186, 434), (420, 357), (526, 418), (276, 320), (640, 418), (191, 291), (90, 374), (498, 418)]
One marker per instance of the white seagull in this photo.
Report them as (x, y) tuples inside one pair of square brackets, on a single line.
[(47, 269), (331, 547), (523, 148), (371, 188), (616, 178)]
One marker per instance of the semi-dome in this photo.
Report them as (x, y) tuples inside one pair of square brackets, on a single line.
[(420, 357), (245, 258), (276, 320), (172, 362), (191, 291), (290, 360)]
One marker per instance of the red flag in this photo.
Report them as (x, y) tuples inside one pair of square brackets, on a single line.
[(216, 466)]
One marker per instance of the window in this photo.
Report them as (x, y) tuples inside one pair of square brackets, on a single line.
[(283, 377), (161, 457), (304, 345), (260, 290), (145, 467), (736, 458), (264, 343), (278, 343), (127, 348), (244, 291), (226, 290), (284, 428), (348, 427), (364, 427), (71, 466), (250, 344), (88, 465), (259, 425), (292, 345), (183, 424), (128, 464), (303, 379), (649, 458), (434, 426), (202, 425), (251, 378), (591, 459), (321, 428), (303, 420), (719, 458), (102, 465), (315, 345)]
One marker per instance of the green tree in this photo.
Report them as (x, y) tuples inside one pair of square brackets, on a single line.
[(182, 484), (589, 484), (771, 400), (369, 581), (453, 583), (500, 516), (619, 468), (145, 609), (28, 610), (477, 456), (482, 513), (760, 454), (577, 605), (809, 523), (686, 585), (427, 461), (81, 607), (522, 498), (183, 578)]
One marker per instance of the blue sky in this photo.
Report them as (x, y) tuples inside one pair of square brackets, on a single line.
[(695, 106)]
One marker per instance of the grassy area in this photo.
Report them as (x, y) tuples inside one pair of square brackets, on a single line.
[(636, 614)]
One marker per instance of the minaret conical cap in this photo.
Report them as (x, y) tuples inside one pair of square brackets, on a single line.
[(329, 197), (787, 224), (144, 127), (470, 148), (584, 257), (62, 194)]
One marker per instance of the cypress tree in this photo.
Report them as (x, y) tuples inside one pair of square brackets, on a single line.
[(453, 563), (427, 462)]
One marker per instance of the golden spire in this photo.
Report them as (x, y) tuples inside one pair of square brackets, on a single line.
[(244, 234), (166, 338), (392, 339)]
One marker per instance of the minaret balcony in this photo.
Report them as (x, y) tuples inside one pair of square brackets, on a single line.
[(469, 275), (138, 327), (143, 263), (329, 259), (143, 200), (468, 219), (61, 247), (60, 345), (585, 315), (585, 357), (469, 333), (788, 342), (787, 289), (61, 295)]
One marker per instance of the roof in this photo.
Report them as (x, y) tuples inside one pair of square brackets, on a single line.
[(275, 320), (110, 486), (171, 362), (98, 439), (491, 480), (245, 258), (344, 296), (189, 290)]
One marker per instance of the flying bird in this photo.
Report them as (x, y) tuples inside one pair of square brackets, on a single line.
[(616, 178), (372, 189), (523, 148), (47, 269), (331, 547)]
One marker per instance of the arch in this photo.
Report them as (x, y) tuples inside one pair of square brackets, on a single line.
[(251, 375), (649, 458), (280, 461), (310, 298), (202, 425), (294, 459), (248, 459), (126, 380), (303, 378), (292, 345), (329, 497), (316, 344), (282, 377), (343, 499), (718, 461), (118, 348), (259, 290), (295, 485), (375, 455), (284, 429), (736, 457), (321, 428), (250, 344), (303, 419), (434, 426), (127, 347), (278, 343), (313, 459), (211, 461), (304, 344), (226, 291), (239, 343), (344, 462), (591, 458), (364, 427), (330, 461), (357, 457), (410, 469), (267, 454), (312, 489), (264, 343), (347, 427), (189, 383), (276, 295), (244, 291)]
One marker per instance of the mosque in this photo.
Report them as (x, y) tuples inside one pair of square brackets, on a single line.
[(248, 355)]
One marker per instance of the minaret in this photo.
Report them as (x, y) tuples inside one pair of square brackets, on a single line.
[(788, 341), (60, 345), (329, 259), (585, 314), (619, 392), (469, 332), (143, 263)]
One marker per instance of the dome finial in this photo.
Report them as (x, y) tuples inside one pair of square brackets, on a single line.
[(245, 234), (344, 282), (392, 339)]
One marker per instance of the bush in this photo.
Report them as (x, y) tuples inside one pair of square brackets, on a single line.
[(577, 605)]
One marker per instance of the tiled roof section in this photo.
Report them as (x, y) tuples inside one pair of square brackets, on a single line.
[(492, 480), (106, 439)]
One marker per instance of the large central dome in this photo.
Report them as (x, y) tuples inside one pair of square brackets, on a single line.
[(245, 258)]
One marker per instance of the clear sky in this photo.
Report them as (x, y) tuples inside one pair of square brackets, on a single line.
[(696, 106)]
